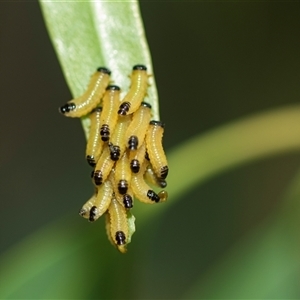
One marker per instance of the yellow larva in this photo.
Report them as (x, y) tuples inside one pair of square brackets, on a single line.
[(118, 224), (142, 190), (117, 143), (137, 129), (151, 178), (127, 199), (109, 116), (137, 91), (102, 201), (85, 210), (123, 174), (155, 149), (84, 104), (94, 143), (136, 158), (103, 167)]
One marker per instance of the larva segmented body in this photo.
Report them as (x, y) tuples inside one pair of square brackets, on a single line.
[(137, 91), (142, 190), (94, 143), (123, 174), (155, 149), (102, 201), (109, 116), (117, 142), (137, 129), (118, 224), (84, 104), (151, 178), (136, 158), (103, 167), (85, 210)]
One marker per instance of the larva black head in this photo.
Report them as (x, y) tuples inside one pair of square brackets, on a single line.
[(133, 142), (146, 104), (127, 200), (104, 132), (153, 196), (82, 212), (122, 187), (114, 152), (113, 88), (91, 160), (93, 214), (164, 172), (124, 108), (135, 166), (97, 176), (162, 183), (104, 70), (70, 106), (120, 238), (97, 109), (157, 123), (139, 67)]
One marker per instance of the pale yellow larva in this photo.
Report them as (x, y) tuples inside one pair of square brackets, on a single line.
[(84, 104), (137, 129), (118, 224), (137, 91), (142, 191), (102, 201), (109, 115), (155, 149), (94, 144), (117, 143)]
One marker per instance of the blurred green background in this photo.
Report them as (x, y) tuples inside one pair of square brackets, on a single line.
[(214, 62)]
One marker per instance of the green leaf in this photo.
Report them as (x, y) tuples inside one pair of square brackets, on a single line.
[(89, 34)]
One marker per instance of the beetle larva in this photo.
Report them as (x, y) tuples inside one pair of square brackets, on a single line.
[(155, 149), (137, 91), (109, 116), (94, 143), (85, 103), (117, 142), (118, 224), (102, 201), (137, 129)]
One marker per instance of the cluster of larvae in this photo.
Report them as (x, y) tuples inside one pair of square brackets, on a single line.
[(124, 148)]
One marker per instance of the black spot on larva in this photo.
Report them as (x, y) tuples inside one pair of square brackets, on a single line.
[(122, 187), (146, 104), (113, 88), (67, 107), (104, 132), (120, 238), (97, 175), (157, 123), (139, 67), (153, 196), (162, 183), (104, 70), (82, 212), (164, 172), (97, 109), (133, 142), (114, 152), (91, 160), (147, 156), (127, 200), (135, 166), (124, 108), (93, 214)]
